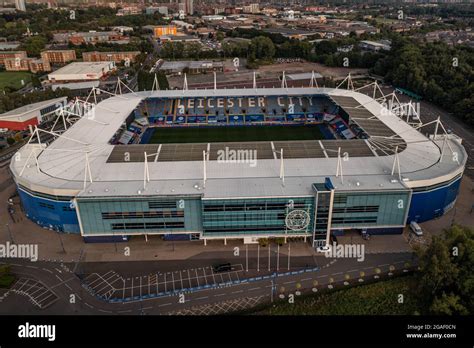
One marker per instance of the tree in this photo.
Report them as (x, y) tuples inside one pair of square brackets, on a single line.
[(220, 36), (325, 47), (262, 47), (34, 45), (146, 80), (35, 81), (448, 305), (446, 277), (193, 50)]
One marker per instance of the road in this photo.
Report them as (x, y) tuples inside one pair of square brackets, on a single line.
[(60, 279)]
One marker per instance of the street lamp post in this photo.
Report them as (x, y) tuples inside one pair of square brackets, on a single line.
[(272, 289), (246, 258), (454, 215), (10, 233), (258, 257), (289, 251), (269, 257), (278, 257), (60, 239)]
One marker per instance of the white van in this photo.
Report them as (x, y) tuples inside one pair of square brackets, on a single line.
[(416, 229)]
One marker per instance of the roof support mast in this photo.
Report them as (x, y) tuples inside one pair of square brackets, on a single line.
[(314, 81), (204, 169), (87, 171), (185, 83), (396, 162), (339, 166)]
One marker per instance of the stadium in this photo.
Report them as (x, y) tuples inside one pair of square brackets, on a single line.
[(243, 163)]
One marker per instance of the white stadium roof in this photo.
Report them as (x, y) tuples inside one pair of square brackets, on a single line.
[(62, 165)]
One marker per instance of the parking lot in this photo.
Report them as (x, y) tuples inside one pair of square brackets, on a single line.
[(112, 286), (39, 294)]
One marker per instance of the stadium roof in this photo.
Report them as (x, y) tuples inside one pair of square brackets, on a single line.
[(62, 164)]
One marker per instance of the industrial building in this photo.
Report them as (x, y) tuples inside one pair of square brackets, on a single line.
[(82, 71), (30, 115)]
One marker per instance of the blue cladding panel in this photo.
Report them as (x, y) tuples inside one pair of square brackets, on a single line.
[(106, 239), (432, 204), (381, 231), (50, 213)]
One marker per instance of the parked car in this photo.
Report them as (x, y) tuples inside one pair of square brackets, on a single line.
[(416, 229), (222, 267)]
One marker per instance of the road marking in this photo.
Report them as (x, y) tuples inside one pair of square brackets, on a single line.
[(88, 305), (290, 282), (34, 267), (125, 311), (337, 273), (104, 311), (59, 278), (254, 289), (219, 295), (147, 307), (47, 270), (165, 304), (62, 282), (306, 279), (237, 292), (202, 298), (205, 275), (212, 272)]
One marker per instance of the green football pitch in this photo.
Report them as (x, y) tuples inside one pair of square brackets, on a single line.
[(234, 134), (13, 79)]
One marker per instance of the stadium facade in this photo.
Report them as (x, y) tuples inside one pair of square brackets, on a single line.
[(101, 179)]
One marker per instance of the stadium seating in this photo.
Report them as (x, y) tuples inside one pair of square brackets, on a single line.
[(166, 112)]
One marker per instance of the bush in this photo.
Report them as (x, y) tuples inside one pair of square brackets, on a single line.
[(280, 241), (6, 278), (263, 242)]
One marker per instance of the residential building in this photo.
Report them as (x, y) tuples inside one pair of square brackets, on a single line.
[(11, 55), (117, 57), (58, 56)]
